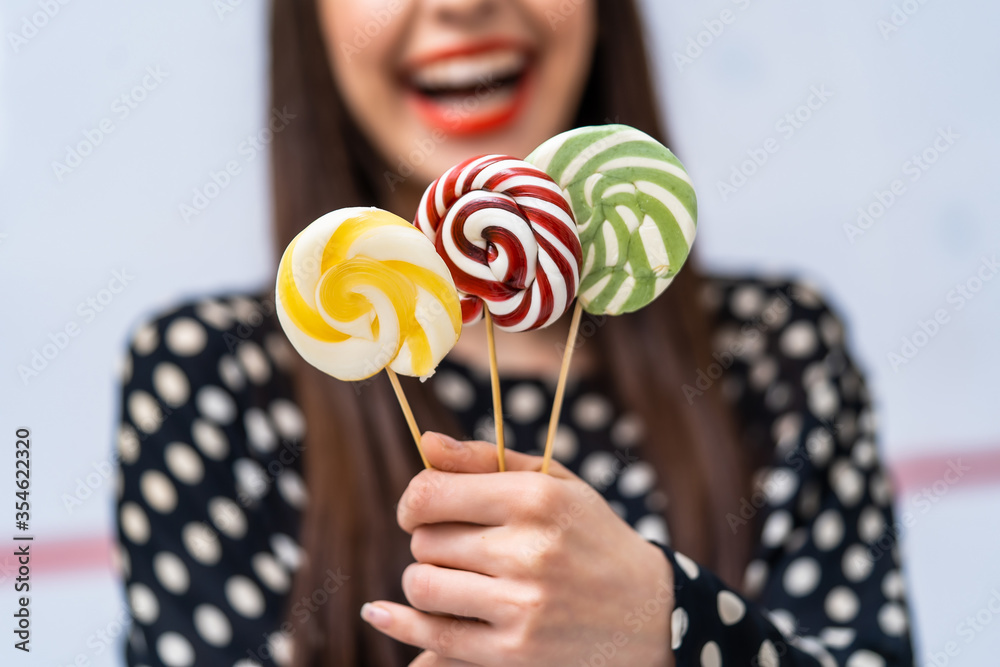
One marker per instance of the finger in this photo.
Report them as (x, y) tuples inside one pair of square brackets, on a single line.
[(440, 590), (471, 456), (455, 638), (462, 546), (433, 496), (431, 659)]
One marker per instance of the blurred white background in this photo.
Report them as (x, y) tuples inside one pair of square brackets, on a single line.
[(891, 77)]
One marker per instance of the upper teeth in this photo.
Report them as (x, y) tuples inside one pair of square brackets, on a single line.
[(468, 71)]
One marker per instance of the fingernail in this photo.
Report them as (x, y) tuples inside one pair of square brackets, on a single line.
[(449, 442), (377, 616)]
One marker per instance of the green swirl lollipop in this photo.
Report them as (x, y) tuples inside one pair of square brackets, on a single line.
[(635, 210)]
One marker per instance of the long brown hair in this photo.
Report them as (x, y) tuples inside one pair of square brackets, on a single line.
[(359, 457)]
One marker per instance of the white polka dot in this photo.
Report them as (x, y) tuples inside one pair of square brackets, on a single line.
[(202, 543), (134, 523), (280, 351), (144, 604), (185, 337), (145, 340), (171, 384), (831, 330), (244, 597), (799, 340), (227, 517), (754, 578), (893, 586), (767, 656), (864, 454), (454, 390), (871, 524), (809, 500), (184, 463), (689, 567), (801, 577), (783, 621), (260, 434), (780, 485), (820, 446), (678, 627), (212, 625), (281, 648), (592, 412), (171, 572), (823, 400), (848, 483), (652, 527), (747, 301), (157, 491), (128, 444), (126, 368), (144, 411), (828, 530), (892, 619), (865, 658), (857, 562), (287, 550), (246, 662), (210, 439), (271, 572), (231, 373), (815, 373), (776, 528), (776, 313), (216, 404), (711, 656), (731, 608), (838, 638), (254, 362), (627, 431), (807, 295), (174, 650), (524, 403), (778, 396), (786, 430), (638, 479), (881, 490), (841, 604), (292, 488), (289, 419), (215, 314), (251, 480), (763, 372), (564, 446), (247, 310), (599, 469)]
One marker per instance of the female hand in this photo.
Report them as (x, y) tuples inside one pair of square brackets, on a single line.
[(520, 568)]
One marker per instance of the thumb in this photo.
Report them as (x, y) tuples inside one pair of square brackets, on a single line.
[(472, 456)]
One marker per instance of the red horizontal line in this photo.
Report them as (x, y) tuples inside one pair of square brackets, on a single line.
[(60, 556)]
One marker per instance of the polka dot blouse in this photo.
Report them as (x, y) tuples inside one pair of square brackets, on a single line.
[(212, 489)]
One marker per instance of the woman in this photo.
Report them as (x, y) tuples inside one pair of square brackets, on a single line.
[(720, 500)]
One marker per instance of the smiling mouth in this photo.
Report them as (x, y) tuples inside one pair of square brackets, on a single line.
[(470, 92)]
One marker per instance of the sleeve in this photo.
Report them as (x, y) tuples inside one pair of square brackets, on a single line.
[(208, 495), (824, 587)]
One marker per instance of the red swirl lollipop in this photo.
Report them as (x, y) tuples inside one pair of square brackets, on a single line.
[(508, 235)]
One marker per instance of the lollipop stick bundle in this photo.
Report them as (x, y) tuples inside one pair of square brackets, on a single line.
[(605, 215)]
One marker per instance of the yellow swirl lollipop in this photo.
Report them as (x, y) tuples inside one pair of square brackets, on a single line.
[(361, 289)]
